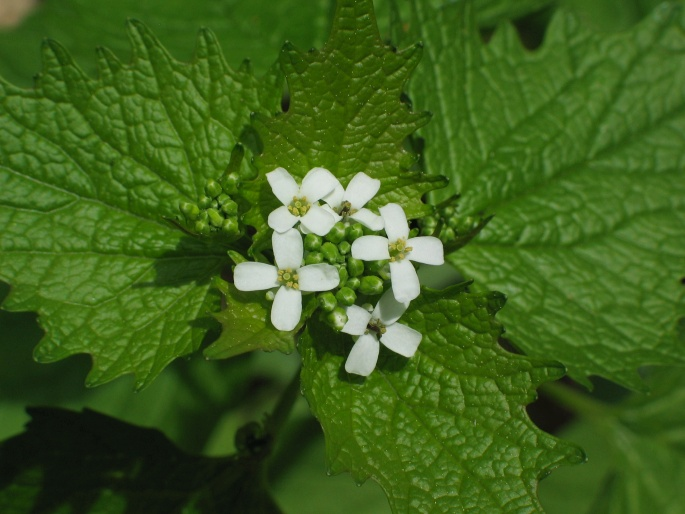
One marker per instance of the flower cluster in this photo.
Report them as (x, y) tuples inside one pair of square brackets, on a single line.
[(325, 240)]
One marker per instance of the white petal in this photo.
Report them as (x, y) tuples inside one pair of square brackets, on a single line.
[(426, 249), (363, 356), (288, 249), (255, 276), (317, 184), (318, 220), (318, 277), (361, 189), (281, 220), (283, 185), (396, 226), (357, 320), (370, 248), (328, 208), (388, 309), (335, 197), (287, 309), (401, 339), (405, 281), (368, 219)]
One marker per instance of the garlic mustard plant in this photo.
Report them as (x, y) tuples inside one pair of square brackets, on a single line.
[(400, 250), (348, 204), (289, 276), (368, 328), (300, 203)]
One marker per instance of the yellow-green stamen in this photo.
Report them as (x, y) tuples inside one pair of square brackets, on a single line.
[(299, 206), (399, 250), (288, 278)]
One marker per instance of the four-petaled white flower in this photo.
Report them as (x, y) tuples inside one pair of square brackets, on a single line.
[(288, 276), (300, 203), (349, 203), (369, 327), (399, 250)]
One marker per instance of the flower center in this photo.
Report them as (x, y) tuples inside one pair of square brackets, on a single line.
[(399, 250), (299, 206), (345, 210), (288, 278), (376, 326)]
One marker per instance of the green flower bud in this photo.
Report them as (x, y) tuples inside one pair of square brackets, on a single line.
[(312, 242), (327, 301), (353, 232), (231, 183), (355, 267), (330, 252), (428, 222), (345, 296), (203, 216), (344, 247), (379, 268), (269, 296), (342, 273), (189, 210), (371, 284), (353, 283), (337, 318), (337, 233), (447, 235), (201, 227), (448, 211), (427, 231), (205, 202), (215, 218), (230, 226), (453, 223), (413, 233), (213, 188), (230, 208), (313, 258)]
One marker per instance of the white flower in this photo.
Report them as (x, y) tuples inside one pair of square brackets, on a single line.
[(369, 326), (350, 202), (400, 251), (300, 203), (288, 276)]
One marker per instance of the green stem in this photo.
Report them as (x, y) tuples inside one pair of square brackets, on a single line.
[(577, 402), (285, 404)]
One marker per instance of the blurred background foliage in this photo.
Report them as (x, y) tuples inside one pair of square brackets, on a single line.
[(200, 404)]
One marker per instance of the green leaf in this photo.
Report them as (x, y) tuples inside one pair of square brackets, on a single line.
[(444, 431), (246, 325), (88, 171), (118, 468), (492, 12), (611, 15), (642, 444), (251, 29), (577, 149), (346, 114)]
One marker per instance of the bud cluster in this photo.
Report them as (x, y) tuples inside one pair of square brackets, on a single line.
[(451, 228), (215, 212), (357, 277)]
